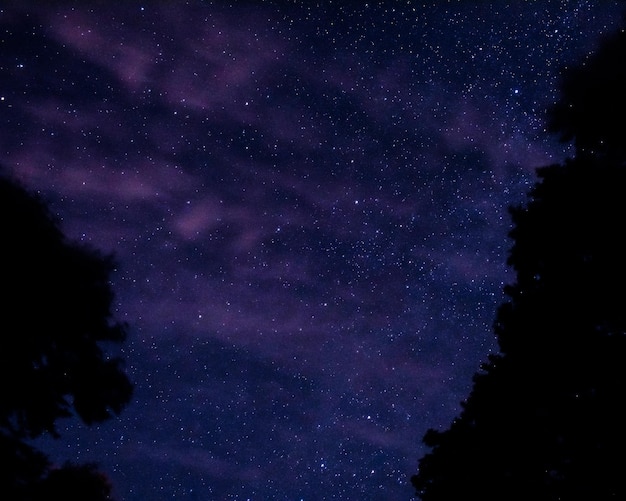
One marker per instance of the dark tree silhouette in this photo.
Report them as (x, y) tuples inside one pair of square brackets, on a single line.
[(591, 109), (56, 317), (74, 483), (545, 418)]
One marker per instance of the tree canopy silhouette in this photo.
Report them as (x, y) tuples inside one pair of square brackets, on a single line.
[(75, 483), (591, 108), (545, 419), (56, 316)]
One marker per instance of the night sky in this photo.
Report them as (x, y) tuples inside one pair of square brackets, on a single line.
[(308, 208)]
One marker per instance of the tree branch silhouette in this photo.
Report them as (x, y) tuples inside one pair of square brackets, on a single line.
[(56, 315)]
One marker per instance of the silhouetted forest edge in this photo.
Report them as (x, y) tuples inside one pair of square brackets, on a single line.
[(544, 419), (57, 316)]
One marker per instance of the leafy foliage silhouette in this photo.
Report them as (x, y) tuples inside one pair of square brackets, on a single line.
[(56, 318), (75, 483), (545, 419), (590, 111)]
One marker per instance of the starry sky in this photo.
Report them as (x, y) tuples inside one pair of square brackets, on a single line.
[(308, 207)]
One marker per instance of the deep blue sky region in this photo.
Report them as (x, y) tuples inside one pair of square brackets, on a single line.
[(307, 203)]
